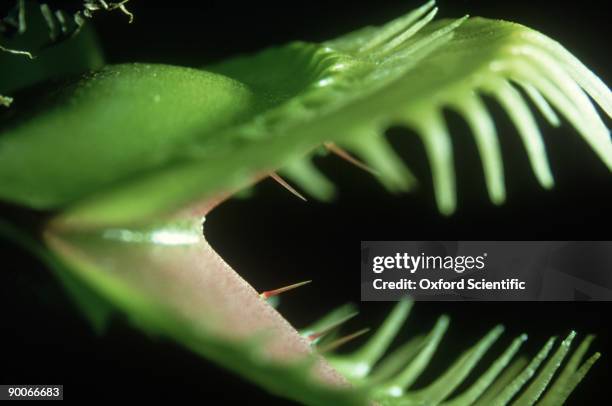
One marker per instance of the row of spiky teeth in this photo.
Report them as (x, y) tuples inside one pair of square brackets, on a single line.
[(546, 72)]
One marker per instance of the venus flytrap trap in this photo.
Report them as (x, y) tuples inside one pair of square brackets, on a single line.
[(131, 158)]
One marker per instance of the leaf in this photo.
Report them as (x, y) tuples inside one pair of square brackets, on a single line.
[(135, 272), (93, 121), (218, 134), (118, 153)]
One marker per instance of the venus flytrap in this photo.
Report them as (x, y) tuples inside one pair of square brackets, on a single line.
[(131, 158)]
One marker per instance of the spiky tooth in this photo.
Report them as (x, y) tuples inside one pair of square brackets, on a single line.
[(303, 173), (397, 26), (342, 340), (333, 148), (398, 384), (587, 80), (272, 293), (520, 114), (454, 376), (539, 384), (335, 318), (599, 142), (504, 379), (437, 142), (541, 103), (379, 155), (431, 41), (400, 39), (376, 347), (287, 186), (578, 376), (330, 318), (314, 336), (395, 361), (470, 395), (598, 130), (480, 122), (358, 364), (563, 385), (525, 375), (565, 83)]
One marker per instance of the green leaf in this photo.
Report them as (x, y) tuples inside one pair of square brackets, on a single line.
[(200, 133), (120, 153)]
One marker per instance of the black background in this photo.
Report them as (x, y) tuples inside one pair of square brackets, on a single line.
[(274, 239)]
